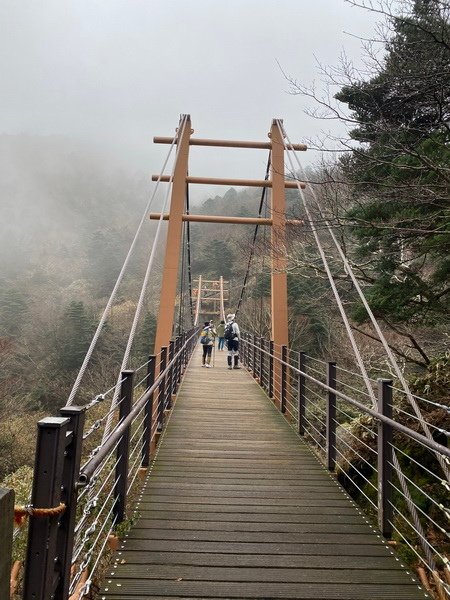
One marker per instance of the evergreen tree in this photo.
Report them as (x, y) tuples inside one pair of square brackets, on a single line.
[(400, 172), (144, 340), (13, 307), (75, 335)]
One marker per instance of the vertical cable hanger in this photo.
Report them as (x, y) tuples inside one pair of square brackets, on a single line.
[(252, 249)]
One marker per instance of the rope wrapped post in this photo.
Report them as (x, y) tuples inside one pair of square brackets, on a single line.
[(148, 412), (271, 369), (42, 565), (6, 536), (301, 395), (162, 388), (123, 448), (66, 530), (385, 459), (331, 417)]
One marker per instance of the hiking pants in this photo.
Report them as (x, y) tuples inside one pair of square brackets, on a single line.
[(233, 352)]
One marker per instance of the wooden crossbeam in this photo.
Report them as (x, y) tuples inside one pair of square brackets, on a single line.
[(220, 219), (265, 183), (227, 143)]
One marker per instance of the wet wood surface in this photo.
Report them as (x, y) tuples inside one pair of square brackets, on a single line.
[(236, 506)]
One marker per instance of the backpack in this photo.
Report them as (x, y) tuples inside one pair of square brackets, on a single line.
[(205, 339), (228, 334)]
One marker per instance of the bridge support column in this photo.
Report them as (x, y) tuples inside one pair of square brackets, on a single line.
[(173, 242), (278, 250)]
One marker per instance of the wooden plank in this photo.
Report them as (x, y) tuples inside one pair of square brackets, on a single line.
[(237, 535), (237, 507), (254, 512), (6, 533), (259, 574), (361, 550), (342, 501), (143, 589), (294, 561)]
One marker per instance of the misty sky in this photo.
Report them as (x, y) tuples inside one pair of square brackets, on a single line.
[(117, 72)]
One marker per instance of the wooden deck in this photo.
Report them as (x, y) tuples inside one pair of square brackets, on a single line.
[(236, 506)]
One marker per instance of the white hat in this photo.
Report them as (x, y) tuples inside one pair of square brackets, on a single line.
[(230, 317)]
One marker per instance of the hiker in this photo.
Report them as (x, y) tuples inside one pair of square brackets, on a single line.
[(232, 335), (220, 332), (207, 337)]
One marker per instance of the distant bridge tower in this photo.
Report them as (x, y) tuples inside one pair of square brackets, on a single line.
[(212, 293)]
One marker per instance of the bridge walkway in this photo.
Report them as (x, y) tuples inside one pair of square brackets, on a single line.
[(236, 506)]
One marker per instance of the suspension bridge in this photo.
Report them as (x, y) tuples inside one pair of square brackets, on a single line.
[(181, 482)]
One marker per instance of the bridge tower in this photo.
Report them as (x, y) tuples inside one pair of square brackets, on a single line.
[(277, 221)]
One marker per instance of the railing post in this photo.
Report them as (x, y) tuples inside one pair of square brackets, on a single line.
[(162, 388), (171, 378), (6, 536), (148, 412), (178, 346), (244, 349), (261, 362), (385, 459), (331, 417), (39, 578), (66, 530), (186, 349), (283, 378), (254, 355), (271, 369), (301, 397), (123, 448)]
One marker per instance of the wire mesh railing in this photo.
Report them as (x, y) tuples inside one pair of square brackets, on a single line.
[(92, 478), (379, 454)]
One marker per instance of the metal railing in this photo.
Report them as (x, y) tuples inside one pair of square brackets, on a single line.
[(377, 452), (92, 478)]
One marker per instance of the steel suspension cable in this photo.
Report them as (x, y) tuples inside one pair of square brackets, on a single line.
[(199, 293), (107, 309), (189, 259), (140, 303), (362, 367), (181, 307), (444, 462), (255, 233)]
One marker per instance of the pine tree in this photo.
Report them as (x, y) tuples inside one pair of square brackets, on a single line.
[(74, 337), (13, 307), (400, 172), (145, 340)]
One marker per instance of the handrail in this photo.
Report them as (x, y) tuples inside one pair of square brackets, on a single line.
[(377, 478), (80, 535), (90, 467), (432, 445)]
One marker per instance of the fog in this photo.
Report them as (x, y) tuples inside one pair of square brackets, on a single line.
[(114, 74), (86, 84)]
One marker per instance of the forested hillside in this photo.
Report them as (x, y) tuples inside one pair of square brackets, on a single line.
[(68, 218)]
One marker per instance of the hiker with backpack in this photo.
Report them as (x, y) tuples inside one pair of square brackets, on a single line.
[(232, 335), (207, 337)]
